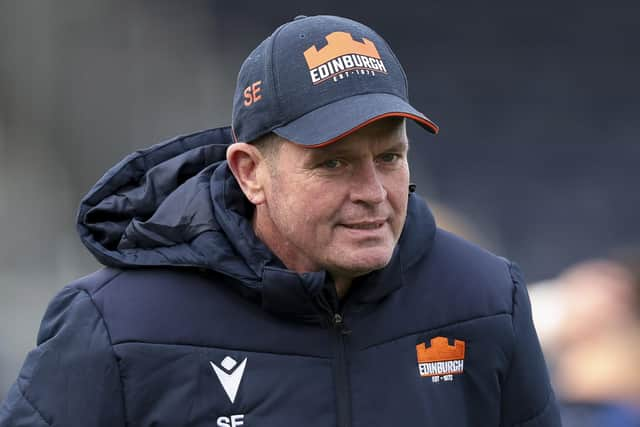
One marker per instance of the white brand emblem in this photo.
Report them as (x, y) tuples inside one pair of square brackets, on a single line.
[(230, 375)]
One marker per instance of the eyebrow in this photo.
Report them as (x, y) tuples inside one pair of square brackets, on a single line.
[(400, 145), (340, 150)]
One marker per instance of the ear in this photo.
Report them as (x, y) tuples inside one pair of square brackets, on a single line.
[(246, 163)]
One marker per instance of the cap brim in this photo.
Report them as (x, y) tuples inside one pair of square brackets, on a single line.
[(334, 121)]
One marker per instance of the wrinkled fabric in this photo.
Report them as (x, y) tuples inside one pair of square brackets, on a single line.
[(190, 299)]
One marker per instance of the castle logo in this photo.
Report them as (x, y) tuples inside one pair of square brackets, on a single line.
[(341, 57), (440, 360)]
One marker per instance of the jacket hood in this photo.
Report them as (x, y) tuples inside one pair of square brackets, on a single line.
[(176, 204)]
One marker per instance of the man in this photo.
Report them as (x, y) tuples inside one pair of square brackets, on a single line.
[(287, 278)]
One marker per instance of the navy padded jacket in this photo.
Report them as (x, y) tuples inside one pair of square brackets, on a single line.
[(194, 322)]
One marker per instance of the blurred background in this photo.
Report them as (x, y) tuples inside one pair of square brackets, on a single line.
[(537, 159)]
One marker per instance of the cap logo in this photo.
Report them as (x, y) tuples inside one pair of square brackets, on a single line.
[(341, 57)]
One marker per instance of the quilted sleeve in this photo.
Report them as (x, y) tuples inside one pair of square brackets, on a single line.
[(527, 397), (71, 378)]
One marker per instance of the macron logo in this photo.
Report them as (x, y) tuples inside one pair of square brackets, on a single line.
[(230, 374)]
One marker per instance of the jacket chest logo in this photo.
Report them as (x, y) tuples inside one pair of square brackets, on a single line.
[(441, 360), (230, 374)]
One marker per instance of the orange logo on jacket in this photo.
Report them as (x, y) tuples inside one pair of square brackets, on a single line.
[(440, 358), (341, 56)]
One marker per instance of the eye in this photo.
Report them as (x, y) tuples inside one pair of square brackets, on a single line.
[(389, 157), (331, 164)]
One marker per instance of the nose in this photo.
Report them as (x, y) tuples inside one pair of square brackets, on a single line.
[(367, 185)]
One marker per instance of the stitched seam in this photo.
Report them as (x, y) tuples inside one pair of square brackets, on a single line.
[(426, 331), (270, 64), (99, 288), (513, 330), (115, 356), (242, 349), (513, 310), (24, 396)]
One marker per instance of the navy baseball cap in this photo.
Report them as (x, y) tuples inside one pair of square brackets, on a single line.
[(317, 79)]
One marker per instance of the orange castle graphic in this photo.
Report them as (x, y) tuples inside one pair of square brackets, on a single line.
[(343, 57), (440, 350), (339, 43), (440, 358)]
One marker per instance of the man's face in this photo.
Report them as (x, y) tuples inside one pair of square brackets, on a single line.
[(341, 207)]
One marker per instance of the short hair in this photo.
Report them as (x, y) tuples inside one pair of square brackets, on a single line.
[(269, 145)]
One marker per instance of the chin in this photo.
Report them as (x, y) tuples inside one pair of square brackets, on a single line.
[(362, 262)]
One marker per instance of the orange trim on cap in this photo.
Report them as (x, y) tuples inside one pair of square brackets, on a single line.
[(431, 125)]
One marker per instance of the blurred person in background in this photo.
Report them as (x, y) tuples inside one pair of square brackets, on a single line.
[(283, 271), (588, 319)]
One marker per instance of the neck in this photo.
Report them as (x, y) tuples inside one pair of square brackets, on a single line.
[(289, 254), (343, 284)]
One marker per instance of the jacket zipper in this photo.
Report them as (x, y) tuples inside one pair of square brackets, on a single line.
[(343, 395), (341, 373)]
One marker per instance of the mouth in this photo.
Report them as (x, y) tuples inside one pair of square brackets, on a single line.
[(365, 225)]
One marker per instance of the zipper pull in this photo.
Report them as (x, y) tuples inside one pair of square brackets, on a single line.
[(338, 320), (338, 323)]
